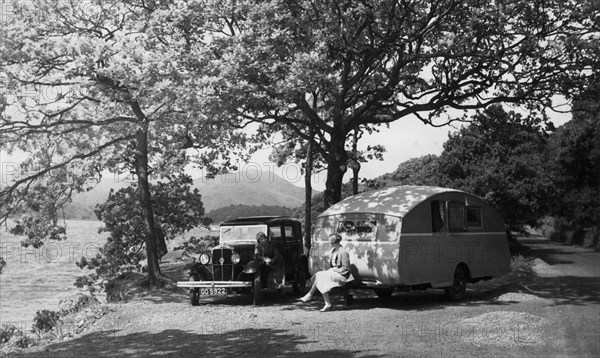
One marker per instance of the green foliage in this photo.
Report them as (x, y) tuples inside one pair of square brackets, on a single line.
[(6, 332), (424, 170), (177, 209), (500, 158), (39, 211), (574, 156), (521, 263), (45, 320), (12, 336), (236, 211), (318, 203), (38, 229), (116, 86), (341, 66)]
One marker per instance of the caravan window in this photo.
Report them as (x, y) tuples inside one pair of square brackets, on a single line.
[(462, 218), (456, 216), (357, 229), (437, 216), (474, 217)]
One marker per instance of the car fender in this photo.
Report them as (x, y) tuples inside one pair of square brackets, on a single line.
[(201, 271), (253, 266)]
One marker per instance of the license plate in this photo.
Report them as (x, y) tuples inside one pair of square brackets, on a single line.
[(213, 291)]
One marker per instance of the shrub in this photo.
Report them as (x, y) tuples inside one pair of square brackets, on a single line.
[(521, 263), (45, 320), (76, 303), (7, 332), (10, 335)]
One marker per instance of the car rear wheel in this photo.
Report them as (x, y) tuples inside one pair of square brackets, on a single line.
[(457, 291), (299, 285), (257, 289), (194, 292)]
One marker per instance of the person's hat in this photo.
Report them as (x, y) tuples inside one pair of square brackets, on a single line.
[(260, 235), (335, 238)]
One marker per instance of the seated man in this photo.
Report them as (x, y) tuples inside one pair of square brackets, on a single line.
[(274, 261)]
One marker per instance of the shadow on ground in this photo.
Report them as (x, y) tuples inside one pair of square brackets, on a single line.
[(178, 343), (567, 290)]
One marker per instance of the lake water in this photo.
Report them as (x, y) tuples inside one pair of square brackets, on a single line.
[(37, 279)]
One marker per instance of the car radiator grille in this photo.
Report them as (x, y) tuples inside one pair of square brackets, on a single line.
[(222, 271)]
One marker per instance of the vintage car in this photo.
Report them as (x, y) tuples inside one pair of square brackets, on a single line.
[(231, 266)]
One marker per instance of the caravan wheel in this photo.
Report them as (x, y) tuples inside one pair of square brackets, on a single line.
[(458, 289), (384, 292)]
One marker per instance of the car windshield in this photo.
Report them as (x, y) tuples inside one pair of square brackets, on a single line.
[(241, 233)]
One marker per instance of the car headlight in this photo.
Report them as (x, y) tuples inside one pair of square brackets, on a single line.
[(204, 259), (235, 258)]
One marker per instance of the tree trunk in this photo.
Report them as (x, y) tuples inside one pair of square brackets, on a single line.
[(308, 191), (141, 169), (355, 171), (355, 164), (336, 167)]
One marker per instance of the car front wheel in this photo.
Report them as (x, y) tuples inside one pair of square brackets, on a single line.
[(194, 292), (257, 289)]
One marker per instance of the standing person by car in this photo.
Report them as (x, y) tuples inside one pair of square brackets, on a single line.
[(336, 276), (274, 261)]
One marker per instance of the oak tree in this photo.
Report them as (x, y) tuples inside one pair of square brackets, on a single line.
[(338, 66), (107, 85)]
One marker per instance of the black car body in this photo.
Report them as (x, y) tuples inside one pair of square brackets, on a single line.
[(231, 266)]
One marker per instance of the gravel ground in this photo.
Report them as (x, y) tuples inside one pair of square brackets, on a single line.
[(518, 315)]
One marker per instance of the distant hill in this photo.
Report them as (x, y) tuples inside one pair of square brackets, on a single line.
[(252, 189), (82, 206), (237, 211)]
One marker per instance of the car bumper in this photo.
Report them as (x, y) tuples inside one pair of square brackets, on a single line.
[(214, 284)]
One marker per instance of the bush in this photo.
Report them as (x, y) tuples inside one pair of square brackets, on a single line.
[(14, 337), (591, 237), (6, 333), (76, 303), (521, 263), (45, 320)]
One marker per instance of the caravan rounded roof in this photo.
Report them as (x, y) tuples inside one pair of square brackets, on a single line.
[(396, 201)]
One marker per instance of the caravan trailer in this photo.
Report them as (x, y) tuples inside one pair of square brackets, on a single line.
[(415, 237)]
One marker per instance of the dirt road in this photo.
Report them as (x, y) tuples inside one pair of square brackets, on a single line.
[(554, 314)]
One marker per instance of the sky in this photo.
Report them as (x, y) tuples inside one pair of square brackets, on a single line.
[(405, 138)]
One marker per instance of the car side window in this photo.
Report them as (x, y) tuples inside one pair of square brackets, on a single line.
[(275, 232)]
